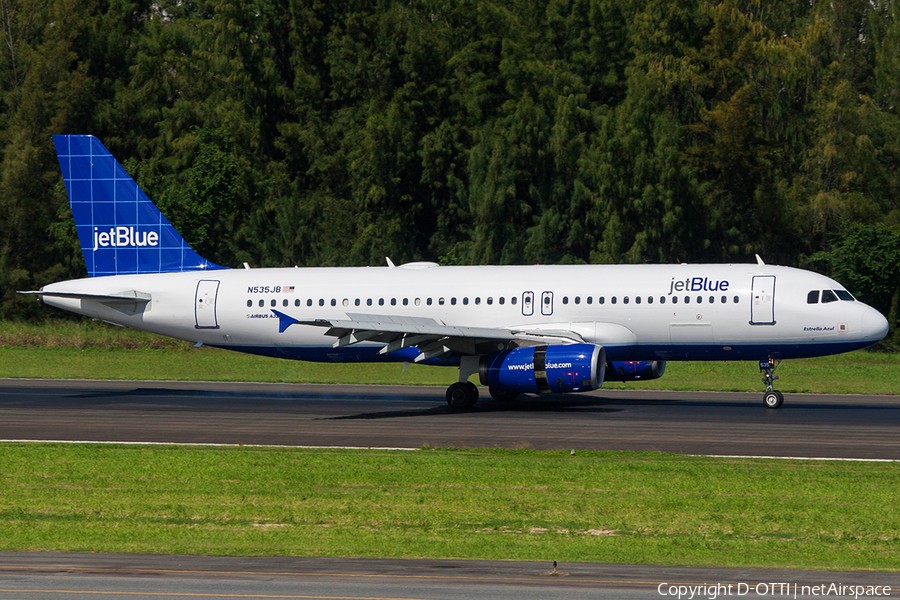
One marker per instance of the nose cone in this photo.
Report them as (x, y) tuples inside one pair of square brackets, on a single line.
[(874, 325)]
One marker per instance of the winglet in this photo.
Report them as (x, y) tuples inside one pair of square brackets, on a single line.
[(120, 230), (284, 321)]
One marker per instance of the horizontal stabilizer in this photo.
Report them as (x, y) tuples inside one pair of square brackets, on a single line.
[(129, 296), (129, 302)]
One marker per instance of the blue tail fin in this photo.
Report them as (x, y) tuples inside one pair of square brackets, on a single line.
[(121, 231)]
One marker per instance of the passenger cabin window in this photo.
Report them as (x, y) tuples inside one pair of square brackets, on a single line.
[(565, 299), (297, 302), (285, 302), (812, 297), (502, 300), (828, 296), (262, 303), (490, 300), (513, 300), (466, 301), (249, 303), (381, 302), (309, 302), (590, 300)]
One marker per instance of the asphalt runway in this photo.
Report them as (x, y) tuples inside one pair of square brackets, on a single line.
[(30, 575), (808, 425), (862, 427)]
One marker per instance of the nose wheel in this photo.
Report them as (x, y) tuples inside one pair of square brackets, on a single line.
[(772, 398)]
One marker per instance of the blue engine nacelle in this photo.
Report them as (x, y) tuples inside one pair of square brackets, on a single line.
[(635, 370), (545, 369)]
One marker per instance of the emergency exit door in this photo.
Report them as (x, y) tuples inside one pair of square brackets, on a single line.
[(762, 303), (205, 304)]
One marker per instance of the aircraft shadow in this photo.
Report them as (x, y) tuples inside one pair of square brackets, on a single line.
[(561, 405), (242, 400)]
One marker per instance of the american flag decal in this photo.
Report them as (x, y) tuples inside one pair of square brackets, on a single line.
[(288, 289)]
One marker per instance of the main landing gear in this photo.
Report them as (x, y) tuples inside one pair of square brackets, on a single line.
[(772, 398), (462, 394)]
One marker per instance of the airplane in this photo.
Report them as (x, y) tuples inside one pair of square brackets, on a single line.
[(534, 329)]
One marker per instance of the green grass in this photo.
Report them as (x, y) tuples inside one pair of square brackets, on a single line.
[(72, 350), (476, 504), (486, 504)]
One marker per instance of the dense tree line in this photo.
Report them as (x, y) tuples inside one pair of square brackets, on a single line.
[(467, 131)]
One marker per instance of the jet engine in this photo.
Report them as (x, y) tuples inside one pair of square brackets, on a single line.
[(634, 370), (545, 369)]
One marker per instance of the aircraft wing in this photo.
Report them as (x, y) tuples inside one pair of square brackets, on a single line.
[(432, 338)]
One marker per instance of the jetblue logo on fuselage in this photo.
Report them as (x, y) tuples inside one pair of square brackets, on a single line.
[(119, 237), (697, 284)]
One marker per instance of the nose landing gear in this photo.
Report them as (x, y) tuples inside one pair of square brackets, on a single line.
[(772, 398)]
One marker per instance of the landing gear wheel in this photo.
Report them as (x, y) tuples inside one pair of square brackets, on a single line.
[(502, 395), (773, 399), (462, 394)]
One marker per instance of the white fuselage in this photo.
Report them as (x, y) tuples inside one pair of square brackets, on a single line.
[(636, 312)]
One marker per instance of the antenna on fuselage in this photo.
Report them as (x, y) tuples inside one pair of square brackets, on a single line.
[(759, 261), (390, 262)]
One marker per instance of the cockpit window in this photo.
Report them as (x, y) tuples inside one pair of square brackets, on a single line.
[(828, 296), (844, 295), (812, 297)]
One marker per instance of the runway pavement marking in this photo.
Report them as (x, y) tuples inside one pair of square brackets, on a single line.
[(881, 460), (203, 444), (201, 595), (884, 460), (548, 576)]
